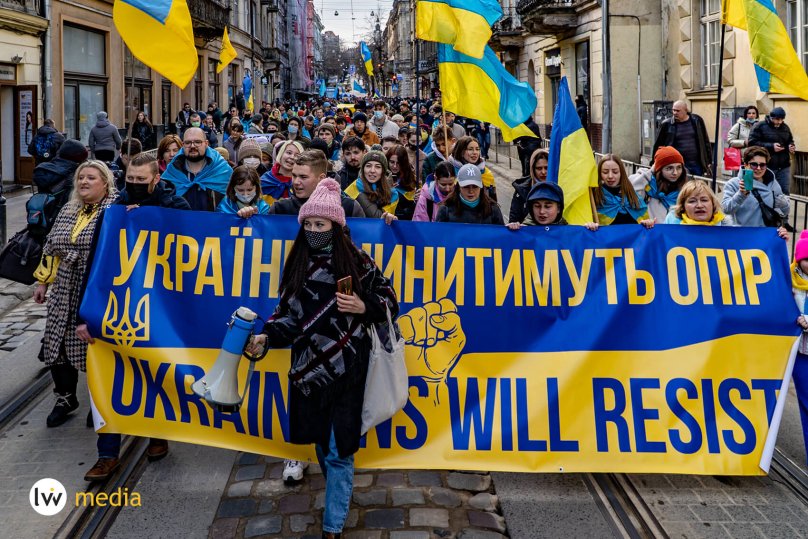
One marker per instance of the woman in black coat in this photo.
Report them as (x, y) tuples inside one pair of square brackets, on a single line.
[(331, 346), (469, 202)]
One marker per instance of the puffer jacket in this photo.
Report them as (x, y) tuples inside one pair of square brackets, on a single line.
[(471, 215), (739, 133), (744, 209), (766, 135)]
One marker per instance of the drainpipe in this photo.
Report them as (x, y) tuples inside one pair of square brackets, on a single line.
[(606, 143), (47, 53)]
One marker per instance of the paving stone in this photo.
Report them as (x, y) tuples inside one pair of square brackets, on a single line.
[(19, 325), (362, 481), (268, 487), (371, 497), (484, 501), (469, 481), (267, 506), (483, 519), (713, 496), (240, 490), (706, 530), (408, 496), (363, 534), (445, 497), (384, 518), (425, 479), (319, 501), (276, 471), (241, 507), (248, 459), (782, 514), (314, 469), (433, 518), (470, 533), (744, 513), (294, 503), (353, 519), (250, 472), (409, 535), (710, 513), (393, 479), (223, 527), (737, 530), (300, 523), (263, 525), (317, 482), (779, 531)]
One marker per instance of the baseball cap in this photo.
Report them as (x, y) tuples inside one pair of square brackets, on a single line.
[(469, 175)]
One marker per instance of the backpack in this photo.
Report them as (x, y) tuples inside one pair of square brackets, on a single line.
[(20, 258), (46, 146), (42, 209)]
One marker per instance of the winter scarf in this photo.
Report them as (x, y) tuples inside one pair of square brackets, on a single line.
[(797, 280), (652, 190), (614, 204), (717, 218), (215, 176)]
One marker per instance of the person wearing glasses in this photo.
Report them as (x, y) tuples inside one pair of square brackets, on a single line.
[(200, 175), (745, 206)]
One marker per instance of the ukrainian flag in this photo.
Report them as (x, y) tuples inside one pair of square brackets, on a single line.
[(358, 88), (572, 163), (777, 65), (465, 24), (150, 28), (484, 90), (367, 57)]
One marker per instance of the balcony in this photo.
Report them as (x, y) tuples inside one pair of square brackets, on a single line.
[(30, 7), (507, 32), (210, 18), (272, 54), (271, 5), (548, 16), (22, 16)]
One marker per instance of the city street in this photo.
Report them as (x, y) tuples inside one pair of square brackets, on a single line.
[(200, 491)]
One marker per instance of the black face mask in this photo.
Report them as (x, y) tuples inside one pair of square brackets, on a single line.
[(319, 241), (138, 192)]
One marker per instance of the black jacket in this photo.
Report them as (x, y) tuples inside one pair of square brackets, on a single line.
[(347, 175), (667, 137), (468, 215), (766, 135), (162, 197), (521, 188), (291, 206), (54, 176)]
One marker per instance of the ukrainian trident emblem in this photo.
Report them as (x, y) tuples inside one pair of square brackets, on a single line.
[(117, 325)]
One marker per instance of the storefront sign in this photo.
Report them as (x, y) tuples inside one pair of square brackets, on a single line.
[(552, 62)]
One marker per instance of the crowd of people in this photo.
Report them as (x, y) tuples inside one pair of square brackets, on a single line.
[(380, 160)]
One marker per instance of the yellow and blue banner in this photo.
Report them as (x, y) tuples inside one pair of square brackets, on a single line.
[(548, 349), (150, 28), (227, 54), (367, 57), (463, 24), (485, 91), (777, 66), (572, 163)]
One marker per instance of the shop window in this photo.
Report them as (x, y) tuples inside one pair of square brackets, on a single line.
[(214, 81), (85, 79)]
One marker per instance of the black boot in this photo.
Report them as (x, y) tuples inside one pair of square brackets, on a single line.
[(65, 405), (330, 535)]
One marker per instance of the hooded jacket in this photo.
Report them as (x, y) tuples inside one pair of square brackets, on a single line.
[(104, 136), (470, 215), (744, 209), (41, 133), (766, 135), (739, 133), (521, 188)]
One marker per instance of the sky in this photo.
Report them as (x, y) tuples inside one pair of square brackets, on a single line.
[(362, 25)]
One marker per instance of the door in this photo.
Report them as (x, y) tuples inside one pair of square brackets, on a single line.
[(25, 123)]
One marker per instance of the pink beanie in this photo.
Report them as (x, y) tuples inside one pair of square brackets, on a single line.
[(801, 249), (324, 202)]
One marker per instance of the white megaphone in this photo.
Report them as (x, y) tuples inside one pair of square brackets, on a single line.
[(219, 387)]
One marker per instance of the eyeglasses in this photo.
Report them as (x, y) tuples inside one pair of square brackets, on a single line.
[(756, 165), (194, 142)]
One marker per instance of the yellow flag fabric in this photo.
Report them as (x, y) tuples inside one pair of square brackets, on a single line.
[(464, 24), (777, 66), (228, 53), (152, 28)]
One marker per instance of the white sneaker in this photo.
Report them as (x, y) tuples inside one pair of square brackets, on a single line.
[(293, 471)]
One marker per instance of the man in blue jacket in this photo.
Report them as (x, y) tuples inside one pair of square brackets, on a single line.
[(199, 174)]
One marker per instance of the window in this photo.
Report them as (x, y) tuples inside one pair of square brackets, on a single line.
[(140, 97), (85, 79), (710, 42), (232, 84), (198, 97), (213, 81), (797, 22), (582, 69)]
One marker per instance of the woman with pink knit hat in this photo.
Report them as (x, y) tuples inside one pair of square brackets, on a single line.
[(331, 291), (799, 283)]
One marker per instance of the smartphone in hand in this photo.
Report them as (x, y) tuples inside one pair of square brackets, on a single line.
[(748, 179), (345, 286)]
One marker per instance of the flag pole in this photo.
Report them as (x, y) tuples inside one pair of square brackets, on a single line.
[(718, 108), (134, 118), (417, 55)]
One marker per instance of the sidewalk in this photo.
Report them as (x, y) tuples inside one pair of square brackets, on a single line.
[(386, 504)]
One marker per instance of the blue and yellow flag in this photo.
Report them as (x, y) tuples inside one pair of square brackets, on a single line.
[(228, 53), (151, 28), (777, 65), (484, 90), (572, 163), (367, 57), (358, 88), (464, 24)]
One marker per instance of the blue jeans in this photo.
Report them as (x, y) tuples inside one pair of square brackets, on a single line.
[(338, 474), (109, 446), (800, 377), (484, 140), (783, 177)]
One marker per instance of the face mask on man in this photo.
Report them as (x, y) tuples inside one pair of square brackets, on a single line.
[(245, 198), (196, 124), (378, 114), (293, 129), (138, 192)]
